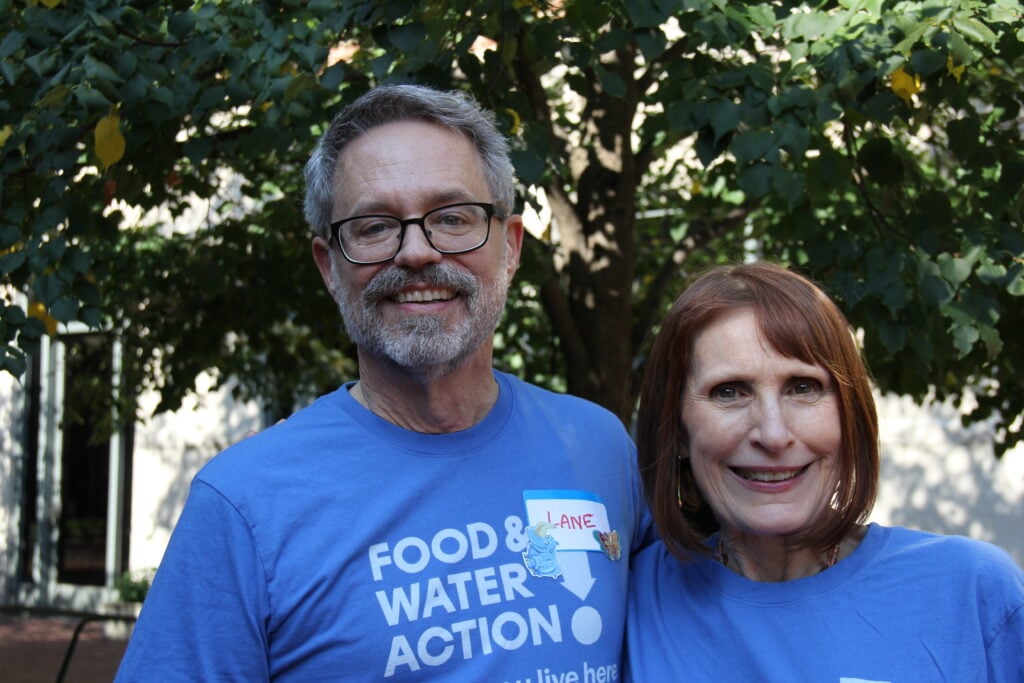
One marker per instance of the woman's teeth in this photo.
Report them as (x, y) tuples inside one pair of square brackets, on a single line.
[(768, 476)]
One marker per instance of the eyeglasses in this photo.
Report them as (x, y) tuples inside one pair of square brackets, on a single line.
[(451, 229)]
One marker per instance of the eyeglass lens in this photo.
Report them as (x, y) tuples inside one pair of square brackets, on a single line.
[(450, 229)]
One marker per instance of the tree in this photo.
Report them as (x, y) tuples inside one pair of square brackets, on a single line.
[(876, 145)]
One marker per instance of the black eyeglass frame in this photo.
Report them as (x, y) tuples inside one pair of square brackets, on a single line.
[(335, 231)]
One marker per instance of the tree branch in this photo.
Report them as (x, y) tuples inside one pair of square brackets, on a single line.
[(555, 302), (698, 236), (673, 52), (877, 217)]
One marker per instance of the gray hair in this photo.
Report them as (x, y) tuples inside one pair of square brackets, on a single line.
[(390, 103)]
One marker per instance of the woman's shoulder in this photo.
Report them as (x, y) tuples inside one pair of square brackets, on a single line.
[(657, 562), (968, 555)]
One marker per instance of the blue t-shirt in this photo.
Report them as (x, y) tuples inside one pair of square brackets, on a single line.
[(338, 546), (904, 606)]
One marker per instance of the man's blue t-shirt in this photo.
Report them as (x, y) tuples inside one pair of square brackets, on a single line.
[(338, 546)]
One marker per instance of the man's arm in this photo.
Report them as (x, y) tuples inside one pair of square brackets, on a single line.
[(205, 616)]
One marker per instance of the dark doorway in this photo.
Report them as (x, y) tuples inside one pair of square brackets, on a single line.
[(85, 460)]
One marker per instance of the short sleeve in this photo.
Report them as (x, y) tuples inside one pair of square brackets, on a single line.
[(205, 616)]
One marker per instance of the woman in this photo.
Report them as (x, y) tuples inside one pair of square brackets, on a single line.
[(758, 446)]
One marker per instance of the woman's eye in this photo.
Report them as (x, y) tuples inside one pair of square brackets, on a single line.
[(806, 387), (725, 392)]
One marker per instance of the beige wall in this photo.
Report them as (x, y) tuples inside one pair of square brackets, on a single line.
[(169, 449), (940, 476), (10, 451), (936, 475)]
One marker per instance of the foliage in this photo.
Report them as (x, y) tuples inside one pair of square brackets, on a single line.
[(874, 144), (132, 586)]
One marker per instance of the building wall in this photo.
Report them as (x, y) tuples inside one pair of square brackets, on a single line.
[(940, 476), (169, 449), (936, 474), (10, 455)]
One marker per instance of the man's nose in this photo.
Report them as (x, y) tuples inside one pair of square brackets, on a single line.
[(415, 250)]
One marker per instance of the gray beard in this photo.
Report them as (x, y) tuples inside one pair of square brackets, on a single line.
[(421, 345)]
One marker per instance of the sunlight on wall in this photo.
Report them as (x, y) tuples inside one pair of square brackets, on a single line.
[(940, 476), (169, 449)]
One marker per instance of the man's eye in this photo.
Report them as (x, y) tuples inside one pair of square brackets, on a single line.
[(370, 229), (451, 219)]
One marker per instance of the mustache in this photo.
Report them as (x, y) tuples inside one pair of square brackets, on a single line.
[(390, 281)]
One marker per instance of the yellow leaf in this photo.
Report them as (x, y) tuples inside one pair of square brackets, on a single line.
[(696, 187), (516, 121), (5, 132), (37, 310), (956, 72), (904, 85), (50, 4), (109, 141)]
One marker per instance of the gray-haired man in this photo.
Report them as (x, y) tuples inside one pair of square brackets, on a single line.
[(436, 519)]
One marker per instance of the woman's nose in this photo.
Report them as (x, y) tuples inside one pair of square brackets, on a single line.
[(771, 427)]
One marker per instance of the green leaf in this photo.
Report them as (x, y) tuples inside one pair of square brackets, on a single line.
[(964, 338), (181, 24), (955, 270), (91, 99), (793, 138), (974, 30), (529, 166), (1015, 286), (64, 309), (804, 26), (789, 185), (645, 13), (881, 163), (893, 336), (333, 77), (756, 180), (895, 296), (990, 272), (48, 289), (408, 37), (926, 62), (964, 136), (724, 117), (11, 261), (97, 70), (934, 211), (833, 168), (993, 342), (753, 145), (11, 43), (935, 290), (611, 83)]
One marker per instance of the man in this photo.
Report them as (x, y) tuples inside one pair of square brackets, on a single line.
[(435, 520)]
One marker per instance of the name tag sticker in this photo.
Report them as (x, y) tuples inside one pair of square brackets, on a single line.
[(576, 519)]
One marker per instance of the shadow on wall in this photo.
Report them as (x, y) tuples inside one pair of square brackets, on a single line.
[(169, 450), (10, 434), (940, 476)]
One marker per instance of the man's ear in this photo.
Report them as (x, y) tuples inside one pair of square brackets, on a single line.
[(514, 242), (322, 257)]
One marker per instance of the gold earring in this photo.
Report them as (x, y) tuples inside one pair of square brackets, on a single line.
[(679, 483)]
